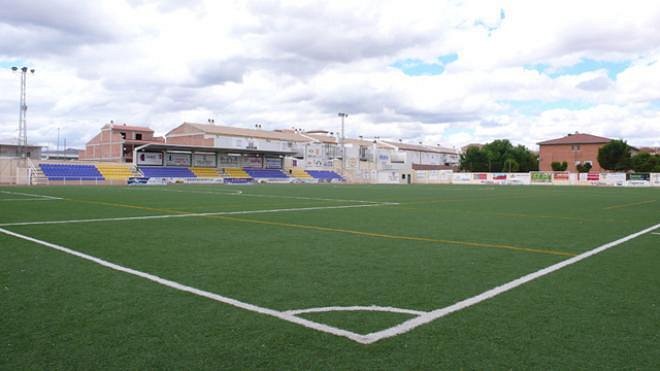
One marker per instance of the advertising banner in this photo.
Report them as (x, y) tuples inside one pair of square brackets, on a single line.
[(251, 161), (561, 177), (613, 179), (178, 159), (150, 158), (541, 177), (273, 162), (655, 179), (638, 179), (203, 160), (462, 178), (519, 178), (227, 160)]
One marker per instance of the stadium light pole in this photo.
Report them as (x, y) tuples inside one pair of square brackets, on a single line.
[(22, 125), (342, 138)]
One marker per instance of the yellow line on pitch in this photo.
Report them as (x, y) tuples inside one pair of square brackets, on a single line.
[(631, 204), (349, 231), (435, 200), (397, 237)]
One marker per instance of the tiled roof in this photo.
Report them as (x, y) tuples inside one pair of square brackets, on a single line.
[(577, 138), (250, 133), (420, 148), (128, 127)]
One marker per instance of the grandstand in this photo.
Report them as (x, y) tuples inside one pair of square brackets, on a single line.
[(119, 173), (265, 173), (300, 174), (63, 172), (166, 172), (236, 173), (324, 175), (114, 171), (205, 172)]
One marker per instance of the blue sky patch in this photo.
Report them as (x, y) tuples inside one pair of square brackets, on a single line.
[(536, 106), (585, 65), (11, 63), (417, 67)]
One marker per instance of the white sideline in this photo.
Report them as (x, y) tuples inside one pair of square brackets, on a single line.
[(240, 193), (28, 199), (30, 195), (187, 215), (438, 313), (290, 315), (181, 287)]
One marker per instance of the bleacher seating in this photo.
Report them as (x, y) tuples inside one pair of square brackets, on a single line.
[(236, 173), (112, 171), (70, 172), (205, 172), (300, 174), (265, 173), (167, 172), (324, 174)]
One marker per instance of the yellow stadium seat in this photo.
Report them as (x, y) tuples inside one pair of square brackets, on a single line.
[(300, 173), (205, 172), (236, 172), (112, 171)]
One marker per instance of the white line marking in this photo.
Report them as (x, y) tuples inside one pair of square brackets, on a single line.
[(240, 193), (187, 215), (31, 195), (370, 308), (28, 199), (656, 233), (438, 313), (181, 287), (406, 326), (233, 193)]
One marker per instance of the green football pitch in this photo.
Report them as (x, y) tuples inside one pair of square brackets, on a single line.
[(329, 277)]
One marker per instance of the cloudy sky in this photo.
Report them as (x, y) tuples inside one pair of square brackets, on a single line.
[(449, 73)]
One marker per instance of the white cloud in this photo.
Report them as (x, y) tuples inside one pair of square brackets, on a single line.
[(297, 63)]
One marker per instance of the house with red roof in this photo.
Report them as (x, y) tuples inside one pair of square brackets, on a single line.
[(575, 149), (116, 142)]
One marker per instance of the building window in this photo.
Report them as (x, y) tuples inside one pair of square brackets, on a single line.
[(575, 147), (138, 136), (123, 135)]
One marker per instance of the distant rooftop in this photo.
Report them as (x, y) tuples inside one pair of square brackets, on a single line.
[(114, 126), (577, 138), (420, 147)]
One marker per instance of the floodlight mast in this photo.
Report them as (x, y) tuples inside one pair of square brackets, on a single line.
[(22, 124), (343, 147)]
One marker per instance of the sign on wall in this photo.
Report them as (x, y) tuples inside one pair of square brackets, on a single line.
[(273, 163), (150, 158), (204, 160), (541, 177), (251, 161), (178, 159)]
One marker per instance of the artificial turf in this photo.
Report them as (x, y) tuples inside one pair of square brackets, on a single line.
[(428, 247)]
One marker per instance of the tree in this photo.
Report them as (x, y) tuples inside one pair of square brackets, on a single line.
[(559, 166), (583, 168), (474, 159), (615, 155), (499, 155), (645, 162), (497, 152), (510, 165)]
